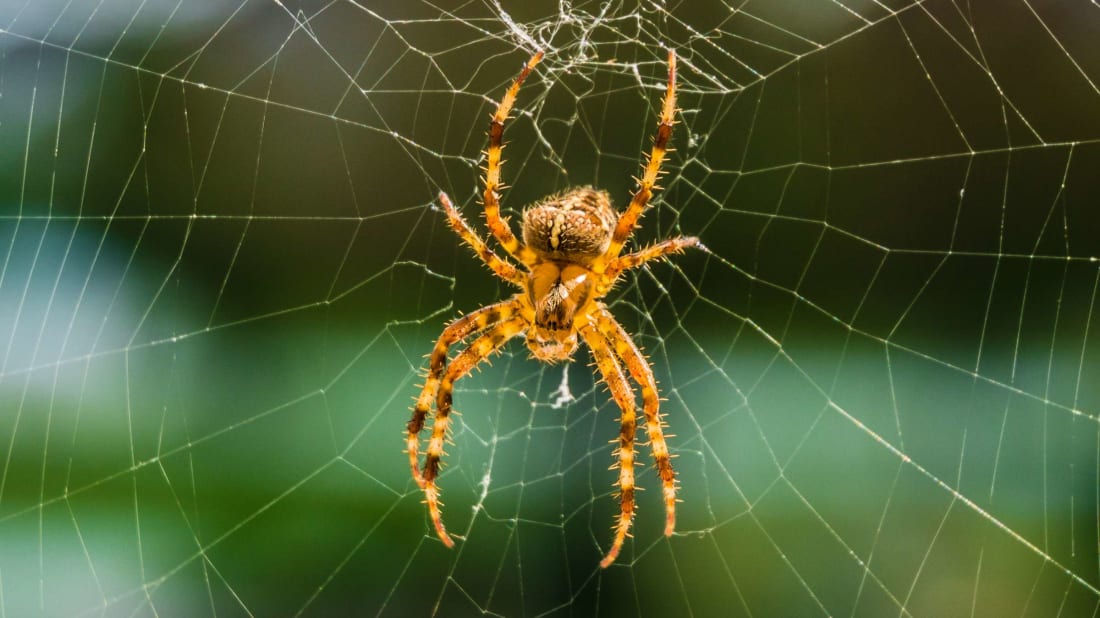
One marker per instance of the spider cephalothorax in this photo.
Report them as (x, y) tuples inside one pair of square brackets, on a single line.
[(570, 258)]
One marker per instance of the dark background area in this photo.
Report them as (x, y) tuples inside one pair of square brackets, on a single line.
[(222, 264)]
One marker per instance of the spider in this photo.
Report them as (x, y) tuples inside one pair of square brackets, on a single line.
[(570, 258)]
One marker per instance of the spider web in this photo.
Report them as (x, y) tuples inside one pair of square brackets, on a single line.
[(222, 264)]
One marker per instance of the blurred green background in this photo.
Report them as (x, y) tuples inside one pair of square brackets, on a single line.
[(223, 264)]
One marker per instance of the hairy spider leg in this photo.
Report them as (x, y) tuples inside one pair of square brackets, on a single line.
[(652, 252), (639, 369), (502, 268), (648, 182), (479, 350), (458, 330), (497, 225), (612, 373)]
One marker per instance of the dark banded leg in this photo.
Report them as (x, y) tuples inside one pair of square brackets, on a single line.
[(648, 182), (497, 225), (502, 268), (479, 350), (639, 370), (612, 373), (458, 330), (652, 252)]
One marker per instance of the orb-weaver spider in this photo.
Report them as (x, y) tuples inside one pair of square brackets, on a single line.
[(570, 257)]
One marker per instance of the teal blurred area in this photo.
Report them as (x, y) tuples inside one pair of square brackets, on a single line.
[(222, 264)]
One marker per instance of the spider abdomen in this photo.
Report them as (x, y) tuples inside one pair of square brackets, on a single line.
[(574, 226)]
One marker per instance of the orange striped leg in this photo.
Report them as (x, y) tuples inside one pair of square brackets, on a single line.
[(652, 252), (458, 330), (479, 350), (639, 370), (502, 268), (648, 182), (498, 226), (612, 373)]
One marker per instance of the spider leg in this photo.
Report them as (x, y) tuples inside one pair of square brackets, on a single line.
[(458, 330), (502, 268), (652, 252), (612, 373), (497, 225), (648, 182), (639, 370), (479, 350)]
